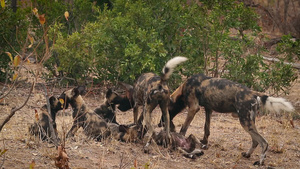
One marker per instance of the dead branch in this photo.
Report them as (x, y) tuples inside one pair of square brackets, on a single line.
[(14, 110), (294, 65), (54, 136)]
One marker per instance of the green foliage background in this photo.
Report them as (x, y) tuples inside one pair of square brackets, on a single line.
[(122, 40)]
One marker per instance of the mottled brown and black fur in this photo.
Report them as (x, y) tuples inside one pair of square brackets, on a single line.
[(93, 125), (108, 108), (224, 96), (42, 127), (126, 133), (151, 90)]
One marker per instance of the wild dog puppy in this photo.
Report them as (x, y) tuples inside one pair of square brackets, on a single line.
[(151, 90), (93, 125), (224, 96), (189, 147), (42, 128)]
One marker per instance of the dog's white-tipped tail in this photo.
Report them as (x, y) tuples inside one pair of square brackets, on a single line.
[(170, 65), (278, 104)]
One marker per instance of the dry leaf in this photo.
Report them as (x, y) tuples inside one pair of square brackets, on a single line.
[(2, 3), (32, 164), (67, 15), (17, 60), (135, 164), (42, 19), (9, 54), (31, 41), (292, 123), (62, 160), (36, 115), (35, 12), (15, 76)]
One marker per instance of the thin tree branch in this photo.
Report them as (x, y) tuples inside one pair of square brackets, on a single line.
[(14, 110)]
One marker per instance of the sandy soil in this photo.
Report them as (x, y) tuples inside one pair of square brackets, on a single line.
[(226, 142)]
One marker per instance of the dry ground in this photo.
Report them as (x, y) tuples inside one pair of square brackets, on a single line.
[(226, 142)]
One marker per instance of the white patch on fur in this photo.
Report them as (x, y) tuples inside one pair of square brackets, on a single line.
[(171, 64), (278, 104)]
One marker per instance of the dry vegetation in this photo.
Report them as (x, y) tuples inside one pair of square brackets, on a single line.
[(226, 142)]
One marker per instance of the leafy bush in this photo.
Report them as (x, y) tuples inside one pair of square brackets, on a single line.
[(138, 36), (12, 35)]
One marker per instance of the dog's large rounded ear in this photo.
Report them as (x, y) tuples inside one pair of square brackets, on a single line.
[(81, 90), (109, 92), (53, 100), (75, 92)]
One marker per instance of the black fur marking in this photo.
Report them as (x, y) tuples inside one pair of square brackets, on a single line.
[(166, 70), (264, 99)]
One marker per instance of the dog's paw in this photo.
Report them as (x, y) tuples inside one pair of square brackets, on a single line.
[(257, 163), (246, 155), (203, 146), (198, 154), (191, 156)]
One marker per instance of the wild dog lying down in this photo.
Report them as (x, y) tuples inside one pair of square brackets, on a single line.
[(93, 125), (126, 133), (42, 128), (189, 147), (151, 90), (224, 96)]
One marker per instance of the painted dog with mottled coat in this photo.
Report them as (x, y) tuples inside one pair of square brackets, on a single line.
[(45, 121), (151, 90), (224, 96), (93, 125)]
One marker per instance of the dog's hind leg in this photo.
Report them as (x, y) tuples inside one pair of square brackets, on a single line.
[(249, 126), (208, 113), (191, 114), (148, 108)]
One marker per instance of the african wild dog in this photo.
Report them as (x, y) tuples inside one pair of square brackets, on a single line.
[(108, 108), (224, 96), (93, 125), (151, 90), (126, 133), (42, 128)]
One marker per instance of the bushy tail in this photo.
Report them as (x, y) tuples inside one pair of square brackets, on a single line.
[(170, 65), (276, 104)]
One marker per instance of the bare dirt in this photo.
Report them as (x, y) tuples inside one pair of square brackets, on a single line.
[(226, 143)]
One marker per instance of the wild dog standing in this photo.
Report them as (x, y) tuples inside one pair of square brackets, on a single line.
[(224, 96), (42, 127), (93, 125), (151, 90)]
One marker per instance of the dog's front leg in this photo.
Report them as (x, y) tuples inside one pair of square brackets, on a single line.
[(135, 113), (191, 114), (73, 130)]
